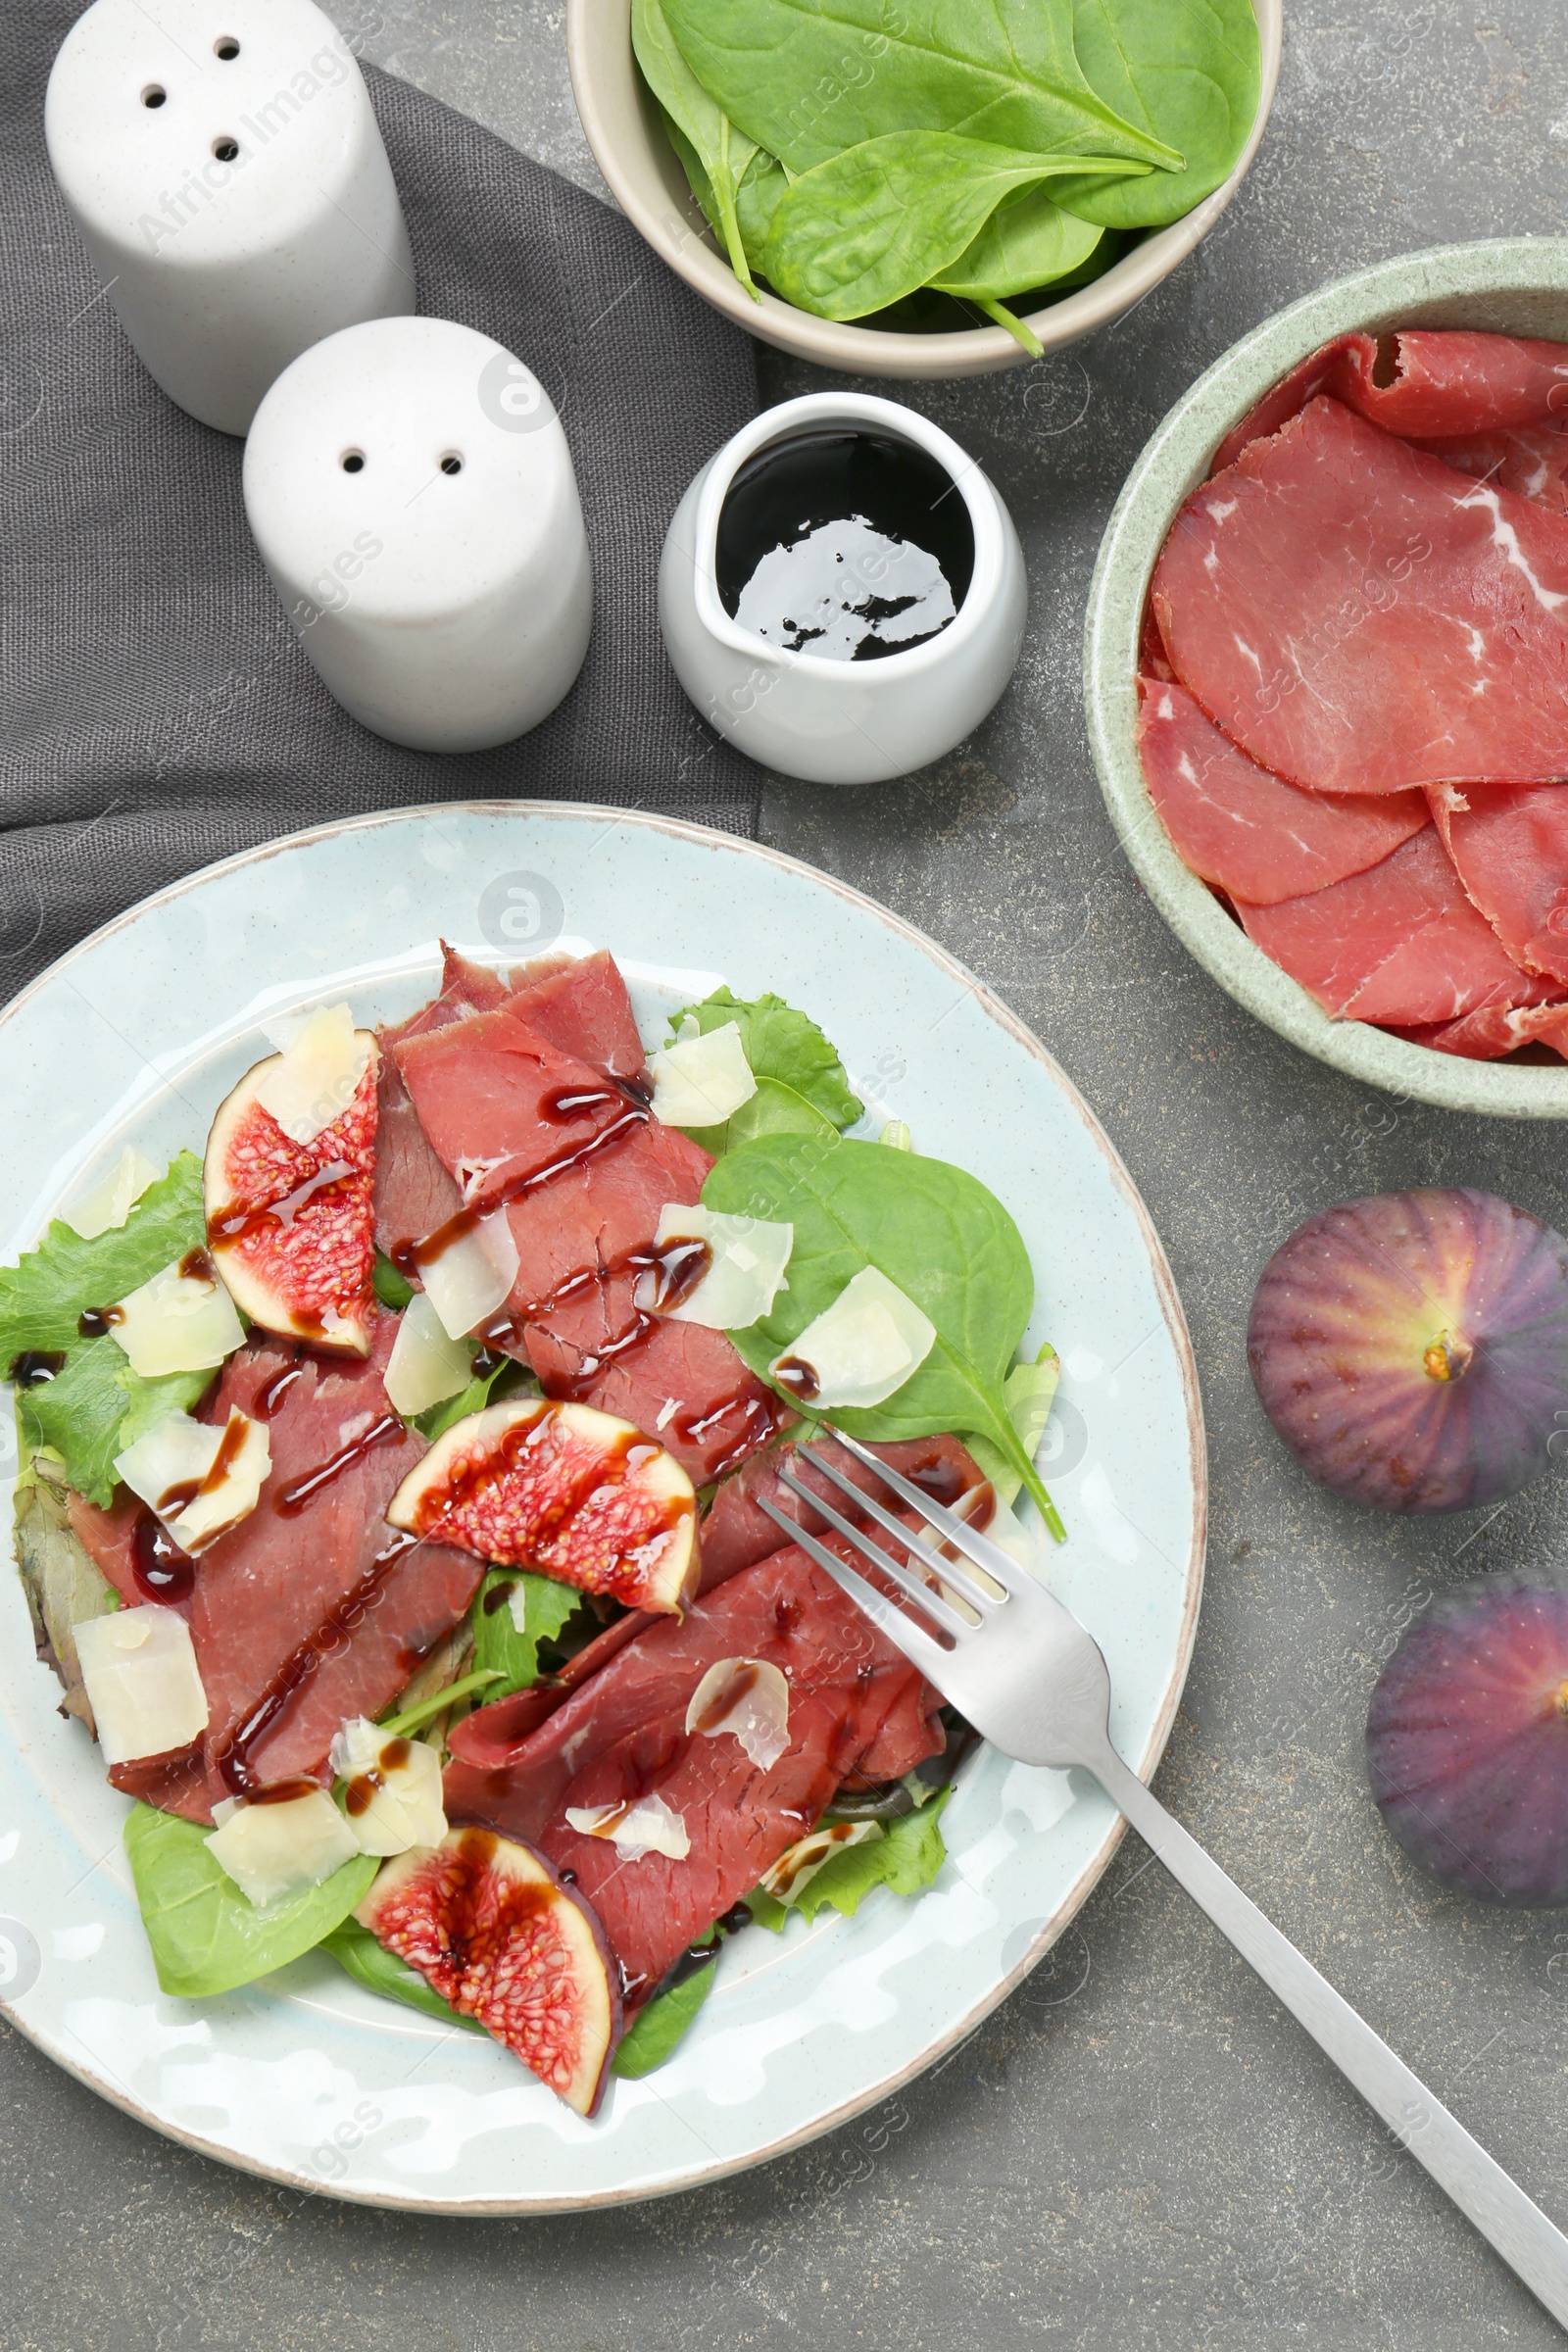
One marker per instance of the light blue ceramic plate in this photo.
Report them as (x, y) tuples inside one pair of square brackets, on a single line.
[(135, 1035)]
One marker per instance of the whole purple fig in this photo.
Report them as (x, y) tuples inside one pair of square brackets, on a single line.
[(1412, 1348), (1467, 1738)]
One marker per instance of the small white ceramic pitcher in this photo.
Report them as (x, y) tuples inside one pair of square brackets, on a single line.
[(834, 721), (224, 167), (413, 495)]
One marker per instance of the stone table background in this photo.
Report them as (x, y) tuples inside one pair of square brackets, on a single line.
[(1139, 2150)]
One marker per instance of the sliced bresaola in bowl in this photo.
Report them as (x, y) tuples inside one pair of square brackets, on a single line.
[(1496, 1030), (1510, 846), (1244, 830), (1399, 944), (1360, 619), (1531, 460)]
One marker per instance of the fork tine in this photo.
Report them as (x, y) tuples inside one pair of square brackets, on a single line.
[(958, 1579), (914, 1641), (985, 1555), (915, 1587)]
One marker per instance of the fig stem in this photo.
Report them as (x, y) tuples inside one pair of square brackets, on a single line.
[(1447, 1359), (398, 1727)]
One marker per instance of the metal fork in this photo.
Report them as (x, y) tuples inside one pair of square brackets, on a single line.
[(1026, 1673)]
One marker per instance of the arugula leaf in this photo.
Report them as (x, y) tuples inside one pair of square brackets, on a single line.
[(1030, 1391), (934, 1229), (806, 81), (498, 1645), (722, 153), (96, 1407), (471, 1399), (205, 1936), (906, 1857), (368, 1963), (868, 227), (41, 1298), (781, 1045), (1188, 71), (663, 2025)]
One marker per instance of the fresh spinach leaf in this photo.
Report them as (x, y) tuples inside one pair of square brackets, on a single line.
[(667, 2019), (371, 1964), (783, 1045), (934, 1229), (722, 153), (906, 1857), (1030, 1391), (390, 1287), (96, 1407), (206, 1937), (499, 1645), (41, 1298), (1027, 242), (774, 1109), (806, 78), (870, 225), (1188, 71)]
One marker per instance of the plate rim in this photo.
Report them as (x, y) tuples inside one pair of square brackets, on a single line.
[(1093, 1869)]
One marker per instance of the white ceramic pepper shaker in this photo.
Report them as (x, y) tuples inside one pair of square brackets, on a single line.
[(413, 496), (224, 164)]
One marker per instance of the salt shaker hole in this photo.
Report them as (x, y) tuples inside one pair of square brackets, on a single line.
[(353, 461), (452, 462), (227, 48), (225, 149), (153, 94)]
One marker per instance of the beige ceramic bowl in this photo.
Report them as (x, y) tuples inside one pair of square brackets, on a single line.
[(1510, 286), (624, 130)]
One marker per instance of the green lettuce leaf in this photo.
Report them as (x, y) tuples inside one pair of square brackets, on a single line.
[(41, 1298), (498, 1645), (368, 1963), (907, 1857), (205, 1936), (780, 1044), (662, 2024), (96, 1407), (1030, 1391)]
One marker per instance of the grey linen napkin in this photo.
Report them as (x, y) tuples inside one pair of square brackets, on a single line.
[(156, 709)]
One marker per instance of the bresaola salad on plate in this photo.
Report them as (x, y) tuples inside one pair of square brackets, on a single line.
[(391, 1501), (1353, 688)]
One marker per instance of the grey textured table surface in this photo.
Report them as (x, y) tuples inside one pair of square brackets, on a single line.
[(1138, 2150)]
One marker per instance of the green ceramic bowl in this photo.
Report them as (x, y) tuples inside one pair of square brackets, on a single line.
[(1510, 286)]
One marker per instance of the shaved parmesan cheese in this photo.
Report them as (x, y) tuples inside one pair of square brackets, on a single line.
[(800, 1863), (140, 1671), (113, 1197), (701, 1081), (426, 1365), (472, 1276), (176, 1323), (747, 1273), (649, 1827), (318, 1075), (393, 1800), (274, 1850), (200, 1480), (750, 1699), (860, 1349)]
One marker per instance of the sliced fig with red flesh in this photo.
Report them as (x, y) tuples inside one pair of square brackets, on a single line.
[(1467, 1738), (487, 1923), (1412, 1348), (291, 1227), (563, 1488)]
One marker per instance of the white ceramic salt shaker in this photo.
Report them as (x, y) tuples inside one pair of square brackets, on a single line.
[(838, 721), (413, 495), (223, 162)]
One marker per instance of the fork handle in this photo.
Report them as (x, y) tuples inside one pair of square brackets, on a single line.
[(1527, 2240)]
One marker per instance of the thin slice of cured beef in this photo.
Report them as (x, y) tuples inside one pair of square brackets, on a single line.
[(1319, 372), (737, 1531), (1495, 1030), (1532, 462), (312, 1610), (582, 1008), (1359, 619), (1239, 827), (414, 1192), (622, 1736), (1426, 382), (109, 1538), (1399, 943), (502, 1105), (1510, 845)]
